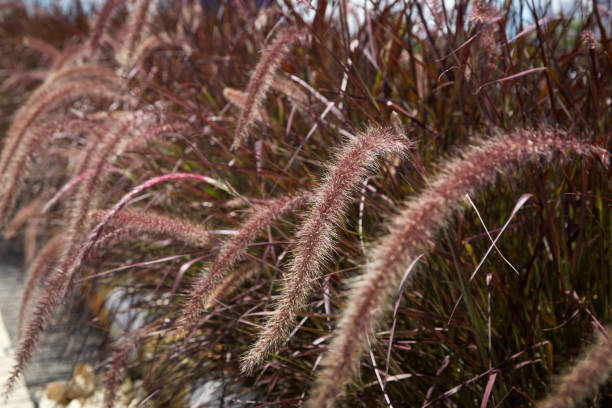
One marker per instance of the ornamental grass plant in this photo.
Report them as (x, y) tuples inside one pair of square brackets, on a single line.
[(403, 204)]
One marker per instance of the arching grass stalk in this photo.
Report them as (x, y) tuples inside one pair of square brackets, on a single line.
[(316, 236), (260, 80)]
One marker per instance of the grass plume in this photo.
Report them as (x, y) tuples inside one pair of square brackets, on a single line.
[(17, 167), (315, 238), (238, 98), (159, 224), (473, 67), (42, 47), (260, 80), (42, 102), (44, 261), (100, 23), (584, 378), (134, 27)]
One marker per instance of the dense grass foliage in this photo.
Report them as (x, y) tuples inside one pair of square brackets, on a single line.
[(407, 205)]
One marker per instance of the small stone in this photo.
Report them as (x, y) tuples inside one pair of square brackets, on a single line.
[(75, 403), (95, 401), (124, 392), (83, 382), (45, 402), (57, 391)]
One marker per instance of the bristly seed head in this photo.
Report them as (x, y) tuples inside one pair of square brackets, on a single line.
[(316, 236), (261, 78)]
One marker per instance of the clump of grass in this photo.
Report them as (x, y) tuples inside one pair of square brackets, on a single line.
[(61, 283), (413, 230), (94, 113)]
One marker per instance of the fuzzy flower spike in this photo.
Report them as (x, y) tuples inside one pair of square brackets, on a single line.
[(316, 236), (261, 79)]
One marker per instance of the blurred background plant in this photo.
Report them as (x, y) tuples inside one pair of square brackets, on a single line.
[(96, 103)]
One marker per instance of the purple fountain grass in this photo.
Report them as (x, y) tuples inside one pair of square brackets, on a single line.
[(315, 238), (412, 233), (151, 222), (60, 285), (100, 23), (261, 78), (56, 90), (41, 46), (483, 13), (292, 90), (32, 142), (95, 163), (65, 189), (42, 102), (44, 261), (23, 77), (133, 31), (69, 55), (85, 250), (25, 213), (85, 71), (47, 258), (238, 98), (118, 362), (233, 250), (23, 353), (149, 135), (98, 159), (228, 285), (158, 40), (584, 378), (154, 134)]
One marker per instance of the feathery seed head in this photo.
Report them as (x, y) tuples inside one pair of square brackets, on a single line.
[(315, 238), (43, 101), (134, 28), (43, 262), (62, 281), (238, 99), (589, 39), (483, 12), (148, 221), (41, 46), (584, 378), (100, 23), (261, 78)]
